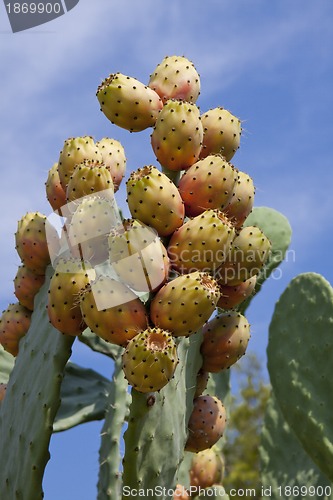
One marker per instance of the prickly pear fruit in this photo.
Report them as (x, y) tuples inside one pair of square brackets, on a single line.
[(209, 183), (201, 385), (225, 339), (222, 132), (138, 256), (176, 78), (27, 284), (113, 157), (207, 468), (3, 389), (69, 279), (177, 135), (87, 178), (202, 243), (112, 311), (150, 360), (31, 242), (128, 103), (55, 193), (206, 424), (232, 296), (14, 324), (241, 202), (155, 200), (249, 252), (74, 151), (180, 493), (183, 305)]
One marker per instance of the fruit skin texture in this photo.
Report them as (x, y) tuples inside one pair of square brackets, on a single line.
[(123, 314), (222, 132), (203, 243), (207, 468), (206, 424), (180, 493), (14, 324), (207, 184), (113, 157), (201, 383), (176, 78), (225, 339), (3, 388), (87, 178), (128, 103), (55, 193), (138, 256), (74, 151), (250, 250), (177, 136), (232, 296), (150, 360), (155, 200), (71, 276), (241, 202), (31, 243), (183, 305), (27, 284)]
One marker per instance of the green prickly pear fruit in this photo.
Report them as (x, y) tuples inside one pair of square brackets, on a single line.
[(31, 242), (55, 193), (88, 177), (71, 276), (150, 360), (249, 252), (176, 78), (241, 202), (138, 256), (207, 184), (14, 324), (222, 132), (206, 424), (112, 311), (233, 296), (202, 381), (181, 493), (207, 468), (203, 243), (177, 135), (74, 151), (26, 285), (225, 339), (3, 389), (128, 103), (183, 305), (113, 157), (155, 200)]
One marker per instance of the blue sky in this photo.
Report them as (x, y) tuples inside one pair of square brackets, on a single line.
[(269, 63)]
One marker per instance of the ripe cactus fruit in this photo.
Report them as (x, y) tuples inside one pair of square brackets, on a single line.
[(207, 468), (14, 324), (69, 279), (155, 200), (113, 157), (3, 388), (232, 296), (241, 202), (150, 360), (74, 151), (209, 183), (206, 424), (180, 493), (250, 250), (55, 193), (87, 178), (128, 103), (177, 135), (225, 339), (27, 284), (112, 311), (202, 381), (222, 132), (183, 305), (31, 242), (138, 256), (176, 78), (202, 243)]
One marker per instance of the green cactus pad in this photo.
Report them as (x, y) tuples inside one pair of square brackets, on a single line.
[(97, 344), (300, 357)]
